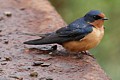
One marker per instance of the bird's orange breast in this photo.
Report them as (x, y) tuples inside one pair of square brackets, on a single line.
[(88, 42)]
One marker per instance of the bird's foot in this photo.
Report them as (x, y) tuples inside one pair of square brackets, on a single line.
[(77, 56), (87, 53), (81, 54)]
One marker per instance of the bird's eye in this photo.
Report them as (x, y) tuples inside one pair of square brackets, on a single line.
[(96, 17)]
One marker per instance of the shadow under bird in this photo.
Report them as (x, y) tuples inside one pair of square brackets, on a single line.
[(81, 35)]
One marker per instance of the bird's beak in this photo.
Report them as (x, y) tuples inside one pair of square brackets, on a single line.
[(104, 18)]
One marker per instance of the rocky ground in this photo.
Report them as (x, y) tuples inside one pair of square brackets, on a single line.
[(24, 62)]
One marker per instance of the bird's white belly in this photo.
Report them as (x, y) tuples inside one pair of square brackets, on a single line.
[(88, 42)]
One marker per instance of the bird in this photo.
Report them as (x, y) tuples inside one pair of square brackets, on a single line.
[(81, 35)]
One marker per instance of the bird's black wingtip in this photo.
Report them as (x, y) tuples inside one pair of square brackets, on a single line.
[(28, 42), (25, 42), (33, 42)]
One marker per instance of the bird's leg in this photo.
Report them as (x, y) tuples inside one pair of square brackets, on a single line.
[(87, 53), (77, 55)]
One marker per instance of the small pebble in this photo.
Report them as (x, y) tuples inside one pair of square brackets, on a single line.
[(29, 68), (34, 74), (45, 65), (7, 59), (15, 77), (3, 63), (37, 63), (49, 79), (45, 78), (8, 14), (1, 70), (0, 30), (6, 42), (22, 8)]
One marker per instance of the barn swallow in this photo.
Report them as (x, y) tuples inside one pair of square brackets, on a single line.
[(81, 35)]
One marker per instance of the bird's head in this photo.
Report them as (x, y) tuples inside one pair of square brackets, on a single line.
[(95, 18)]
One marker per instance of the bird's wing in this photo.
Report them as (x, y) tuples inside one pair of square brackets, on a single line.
[(77, 28), (78, 32)]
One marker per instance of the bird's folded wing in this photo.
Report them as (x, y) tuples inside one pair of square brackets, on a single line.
[(68, 32), (62, 35)]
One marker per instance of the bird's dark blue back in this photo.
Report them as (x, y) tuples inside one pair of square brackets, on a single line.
[(76, 28), (79, 23)]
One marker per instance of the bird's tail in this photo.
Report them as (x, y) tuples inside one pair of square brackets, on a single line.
[(45, 39), (42, 41), (36, 42)]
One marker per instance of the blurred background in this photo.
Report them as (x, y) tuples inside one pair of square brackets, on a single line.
[(107, 53)]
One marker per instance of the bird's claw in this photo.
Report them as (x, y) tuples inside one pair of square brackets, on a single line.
[(87, 53)]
